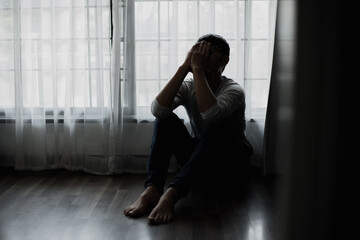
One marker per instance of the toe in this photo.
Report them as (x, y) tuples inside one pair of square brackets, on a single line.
[(127, 210), (151, 218), (134, 213), (158, 218), (131, 212)]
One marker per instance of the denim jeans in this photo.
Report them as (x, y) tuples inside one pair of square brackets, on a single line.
[(219, 158)]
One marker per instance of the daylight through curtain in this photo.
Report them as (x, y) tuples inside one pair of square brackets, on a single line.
[(62, 83)]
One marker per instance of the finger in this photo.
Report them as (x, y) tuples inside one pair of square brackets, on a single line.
[(202, 46), (195, 48), (207, 49), (197, 45), (192, 49)]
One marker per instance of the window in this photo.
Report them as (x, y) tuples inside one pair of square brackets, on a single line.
[(166, 30), (61, 51)]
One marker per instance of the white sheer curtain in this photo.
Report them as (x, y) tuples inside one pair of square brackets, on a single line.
[(60, 83), (166, 30)]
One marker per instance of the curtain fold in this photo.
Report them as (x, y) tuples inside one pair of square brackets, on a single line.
[(68, 106), (279, 116)]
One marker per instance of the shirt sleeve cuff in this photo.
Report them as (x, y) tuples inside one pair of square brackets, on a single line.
[(211, 113), (159, 110)]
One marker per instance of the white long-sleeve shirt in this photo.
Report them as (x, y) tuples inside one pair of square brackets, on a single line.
[(230, 103)]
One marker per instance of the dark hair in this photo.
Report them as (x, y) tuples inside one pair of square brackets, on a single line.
[(218, 41)]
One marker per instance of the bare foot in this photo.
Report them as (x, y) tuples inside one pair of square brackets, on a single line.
[(147, 200), (164, 210)]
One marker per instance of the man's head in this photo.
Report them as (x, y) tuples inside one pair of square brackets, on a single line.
[(218, 41), (219, 54)]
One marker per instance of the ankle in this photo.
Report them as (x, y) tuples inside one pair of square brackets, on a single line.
[(151, 191), (171, 195), (173, 191)]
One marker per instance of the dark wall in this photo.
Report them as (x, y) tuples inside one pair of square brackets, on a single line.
[(307, 121)]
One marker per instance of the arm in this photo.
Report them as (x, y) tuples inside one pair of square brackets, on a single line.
[(167, 95), (230, 100), (204, 95)]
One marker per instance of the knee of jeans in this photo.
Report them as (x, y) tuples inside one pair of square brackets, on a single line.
[(168, 121), (217, 129), (168, 118)]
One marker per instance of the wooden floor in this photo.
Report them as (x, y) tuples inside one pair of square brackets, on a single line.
[(77, 206)]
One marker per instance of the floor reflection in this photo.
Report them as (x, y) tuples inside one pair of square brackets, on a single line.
[(88, 215)]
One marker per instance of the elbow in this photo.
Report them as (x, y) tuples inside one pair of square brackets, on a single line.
[(159, 111), (159, 114), (154, 110), (212, 114), (208, 119), (155, 113)]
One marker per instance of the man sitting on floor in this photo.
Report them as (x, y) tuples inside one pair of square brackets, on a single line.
[(217, 153)]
